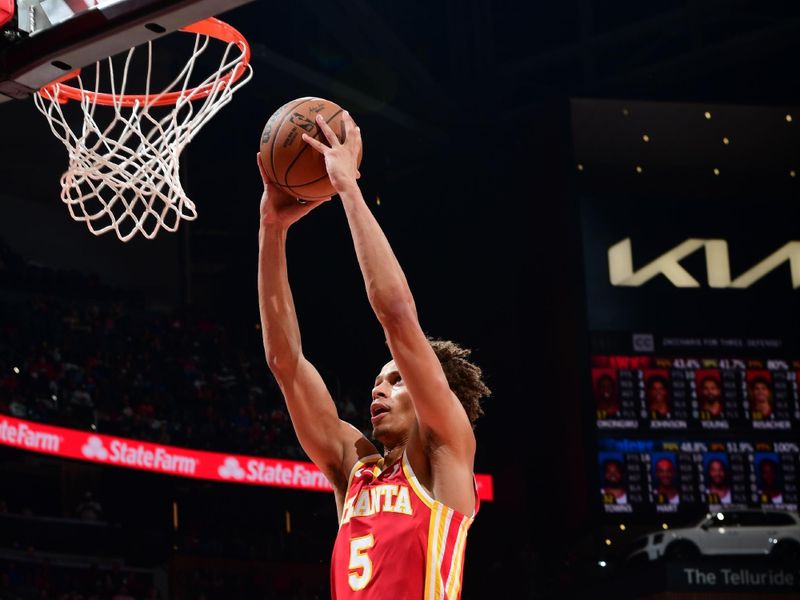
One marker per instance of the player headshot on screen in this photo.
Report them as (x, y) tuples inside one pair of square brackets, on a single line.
[(760, 396), (403, 513), (657, 396), (666, 490), (719, 492), (613, 478), (770, 492), (606, 396), (710, 396)]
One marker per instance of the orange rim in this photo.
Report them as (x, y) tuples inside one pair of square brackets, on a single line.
[(211, 27)]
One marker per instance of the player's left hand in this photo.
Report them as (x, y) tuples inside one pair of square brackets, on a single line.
[(341, 158), (278, 207)]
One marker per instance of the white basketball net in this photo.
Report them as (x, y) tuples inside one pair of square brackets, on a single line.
[(123, 173)]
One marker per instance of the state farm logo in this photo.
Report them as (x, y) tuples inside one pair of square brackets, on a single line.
[(231, 469), (140, 455), (93, 448), (267, 471), (23, 435)]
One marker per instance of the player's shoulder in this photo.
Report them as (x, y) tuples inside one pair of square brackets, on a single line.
[(366, 456), (445, 476)]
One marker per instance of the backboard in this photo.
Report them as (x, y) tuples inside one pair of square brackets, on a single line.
[(44, 40)]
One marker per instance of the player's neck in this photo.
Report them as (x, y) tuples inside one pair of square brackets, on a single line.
[(392, 454)]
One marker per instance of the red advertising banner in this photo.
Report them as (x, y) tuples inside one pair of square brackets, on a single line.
[(171, 460)]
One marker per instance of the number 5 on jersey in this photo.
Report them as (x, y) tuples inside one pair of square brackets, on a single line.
[(360, 561)]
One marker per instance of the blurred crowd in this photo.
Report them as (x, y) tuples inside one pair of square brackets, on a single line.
[(38, 580), (167, 379), (44, 581), (206, 584)]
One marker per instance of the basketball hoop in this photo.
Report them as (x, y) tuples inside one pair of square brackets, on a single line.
[(124, 171)]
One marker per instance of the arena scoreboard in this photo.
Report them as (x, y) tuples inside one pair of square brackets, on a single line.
[(685, 434), (667, 476), (675, 394)]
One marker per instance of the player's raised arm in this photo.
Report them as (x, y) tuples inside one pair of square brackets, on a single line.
[(442, 419), (332, 444)]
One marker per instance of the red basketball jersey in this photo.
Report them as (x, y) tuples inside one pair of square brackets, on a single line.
[(395, 541)]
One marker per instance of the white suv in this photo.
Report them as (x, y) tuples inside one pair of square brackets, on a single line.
[(776, 533)]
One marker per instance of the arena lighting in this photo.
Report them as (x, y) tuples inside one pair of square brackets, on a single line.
[(116, 451), (622, 526), (788, 118), (638, 169), (580, 167), (726, 141), (608, 542), (707, 115), (646, 138), (792, 173), (716, 171), (664, 526), (602, 563), (16, 370), (720, 516)]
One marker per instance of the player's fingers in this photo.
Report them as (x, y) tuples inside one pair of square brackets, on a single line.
[(349, 126), (327, 131), (315, 144)]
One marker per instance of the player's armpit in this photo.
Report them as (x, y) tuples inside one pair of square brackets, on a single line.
[(439, 412), (332, 444)]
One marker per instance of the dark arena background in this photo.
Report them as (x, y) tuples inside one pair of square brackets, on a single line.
[(601, 199)]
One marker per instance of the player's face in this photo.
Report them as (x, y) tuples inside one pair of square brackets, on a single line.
[(767, 474), (613, 474), (762, 398), (665, 472), (716, 472), (606, 388), (710, 391), (657, 393), (391, 409)]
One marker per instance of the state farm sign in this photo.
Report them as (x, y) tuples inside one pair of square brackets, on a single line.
[(121, 452), (14, 432), (170, 460), (270, 472)]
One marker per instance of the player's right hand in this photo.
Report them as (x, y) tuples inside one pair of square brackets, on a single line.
[(280, 208)]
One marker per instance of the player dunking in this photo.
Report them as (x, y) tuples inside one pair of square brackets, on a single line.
[(403, 516)]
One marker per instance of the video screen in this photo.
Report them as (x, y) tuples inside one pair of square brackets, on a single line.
[(649, 393), (655, 476)]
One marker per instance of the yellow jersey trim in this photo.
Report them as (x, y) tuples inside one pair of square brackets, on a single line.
[(419, 489), (363, 461)]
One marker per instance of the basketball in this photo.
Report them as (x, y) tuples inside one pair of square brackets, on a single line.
[(289, 162)]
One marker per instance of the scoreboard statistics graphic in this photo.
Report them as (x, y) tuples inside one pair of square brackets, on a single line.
[(639, 476), (692, 433), (649, 393)]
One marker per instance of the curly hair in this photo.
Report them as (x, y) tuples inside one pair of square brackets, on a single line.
[(463, 376)]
